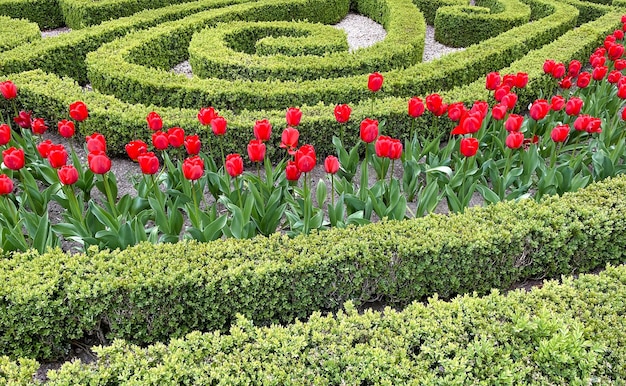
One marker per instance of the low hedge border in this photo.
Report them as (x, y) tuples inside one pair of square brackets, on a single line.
[(332, 40), (487, 19), (232, 53), (17, 373), (17, 31), (49, 96), (135, 67), (65, 54), (84, 13), (152, 293), (571, 333), (46, 13)]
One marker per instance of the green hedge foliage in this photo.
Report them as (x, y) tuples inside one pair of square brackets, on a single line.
[(46, 13), (232, 56), (135, 68), (49, 96), (84, 13), (151, 292), (17, 373), (572, 333), (330, 40), (15, 32), (462, 26)]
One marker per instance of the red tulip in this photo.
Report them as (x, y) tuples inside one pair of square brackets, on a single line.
[(580, 124), (584, 78), (434, 104), (615, 51), (492, 80), (469, 146), (193, 168), (57, 156), (510, 100), (6, 184), (38, 125), (382, 146), (98, 161), (176, 136), (599, 73), (289, 138), (23, 119), (539, 109), (78, 111), (206, 115), (565, 83), (96, 143), (293, 116), (8, 89), (395, 149), (292, 173), (620, 64), (192, 144), (234, 165), (135, 148), (499, 111), (342, 113), (558, 71), (68, 175), (305, 158), (5, 134), (160, 140), (560, 133), (621, 91), (557, 103), (416, 107), (597, 60), (154, 121), (369, 130), (501, 92), (148, 163), (573, 106), (480, 107), (262, 130), (614, 76), (573, 69), (514, 140), (218, 125), (548, 66), (256, 150), (44, 148), (513, 122), (509, 80), (619, 34), (66, 128), (375, 82), (331, 164), (521, 80), (456, 111), (13, 158)]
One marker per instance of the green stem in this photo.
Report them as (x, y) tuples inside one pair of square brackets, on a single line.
[(109, 195), (74, 206), (195, 200), (507, 167), (307, 202), (221, 141), (553, 155), (332, 190), (238, 191)]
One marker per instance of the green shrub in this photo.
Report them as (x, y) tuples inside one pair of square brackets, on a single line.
[(17, 373), (151, 292), (232, 53), (462, 26), (572, 333), (46, 13), (15, 32), (330, 40)]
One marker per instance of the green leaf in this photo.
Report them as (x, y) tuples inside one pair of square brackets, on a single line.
[(320, 193)]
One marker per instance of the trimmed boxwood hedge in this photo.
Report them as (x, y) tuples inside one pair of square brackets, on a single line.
[(151, 293), (331, 40), (49, 96), (572, 333), (462, 26), (134, 68), (46, 13), (232, 53), (16, 31)]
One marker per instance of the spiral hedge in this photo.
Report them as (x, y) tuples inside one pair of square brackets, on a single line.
[(127, 61)]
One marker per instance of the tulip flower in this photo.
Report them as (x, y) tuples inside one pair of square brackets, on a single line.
[(154, 120), (68, 175), (176, 136), (57, 156), (13, 158), (148, 163), (38, 125), (135, 148), (342, 113), (78, 111), (66, 128), (375, 82), (218, 125), (8, 90), (96, 143), (5, 134), (234, 165), (193, 168), (305, 158), (206, 115), (6, 184), (262, 130), (469, 147), (416, 107), (192, 144), (369, 130), (256, 150), (293, 116)]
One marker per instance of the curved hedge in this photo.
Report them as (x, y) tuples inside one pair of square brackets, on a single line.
[(462, 26), (151, 292), (135, 68), (15, 32), (572, 333), (232, 56), (46, 13), (331, 40)]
